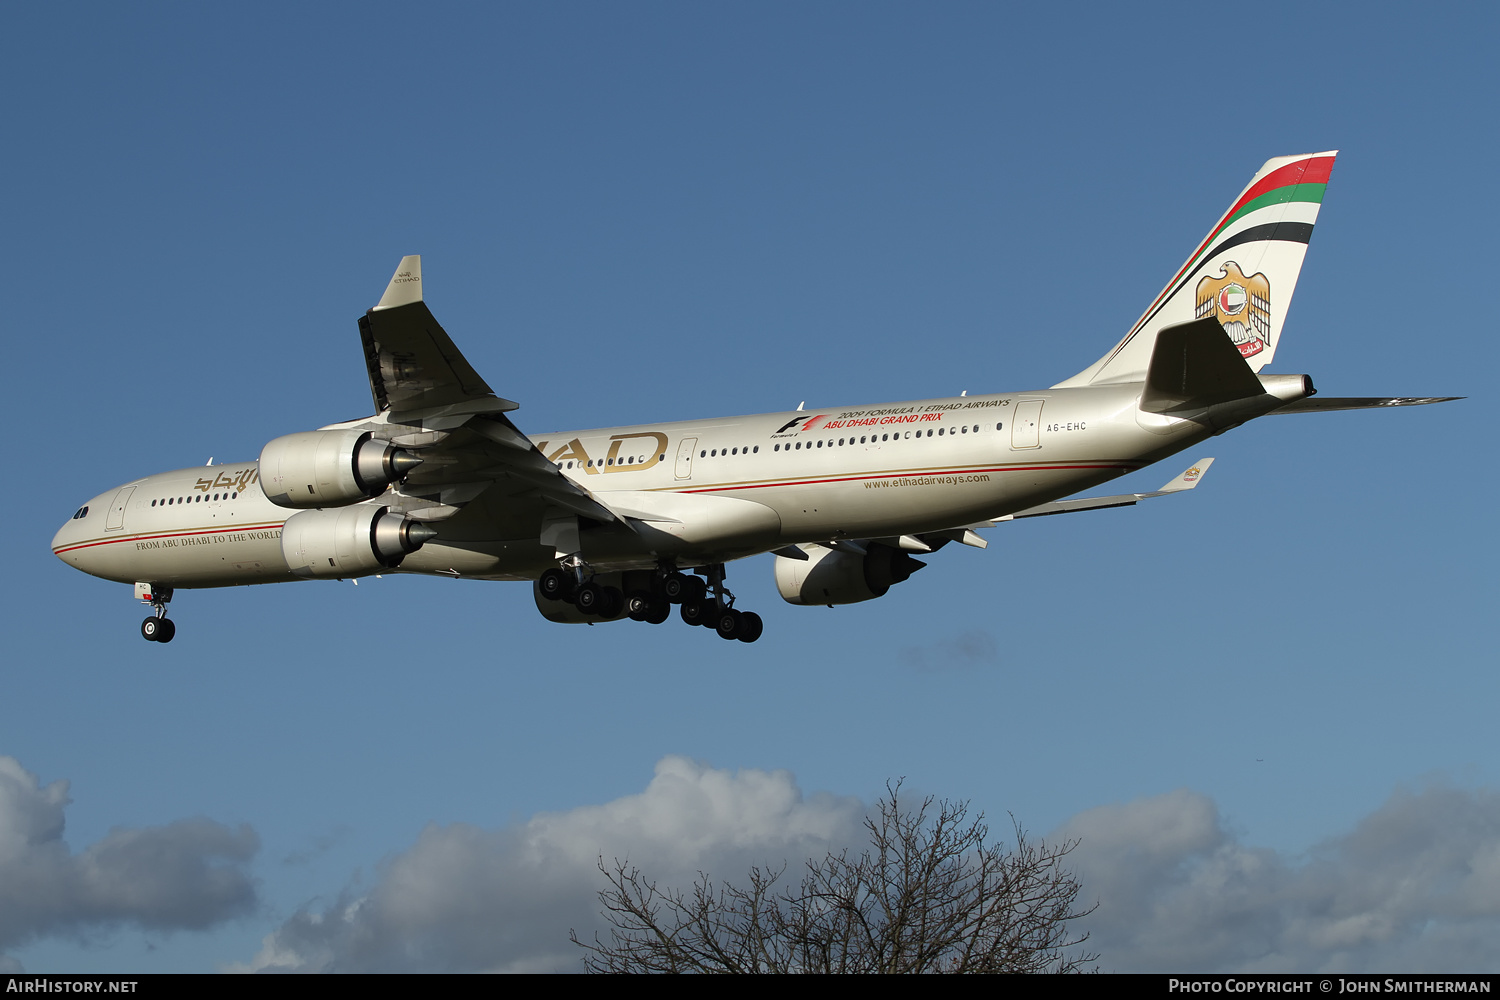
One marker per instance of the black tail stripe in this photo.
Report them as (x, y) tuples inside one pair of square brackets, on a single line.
[(1283, 232)]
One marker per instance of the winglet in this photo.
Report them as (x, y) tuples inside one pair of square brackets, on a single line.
[(1188, 479), (406, 284)]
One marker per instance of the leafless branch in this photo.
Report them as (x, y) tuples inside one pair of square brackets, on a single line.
[(928, 895)]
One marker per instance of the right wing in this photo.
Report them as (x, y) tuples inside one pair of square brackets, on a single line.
[(412, 363), (435, 404)]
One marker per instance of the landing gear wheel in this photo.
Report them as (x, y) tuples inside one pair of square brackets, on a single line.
[(638, 605), (750, 627), (611, 602), (729, 624), (556, 585), (679, 588), (601, 602), (698, 612), (156, 629), (589, 599), (660, 611)]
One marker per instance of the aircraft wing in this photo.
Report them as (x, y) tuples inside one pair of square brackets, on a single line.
[(412, 362), (966, 534), (1186, 480), (435, 403)]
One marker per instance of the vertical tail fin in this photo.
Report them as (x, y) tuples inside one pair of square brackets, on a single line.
[(1243, 273)]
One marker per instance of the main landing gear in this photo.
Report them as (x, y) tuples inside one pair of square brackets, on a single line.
[(648, 597), (709, 603), (157, 628)]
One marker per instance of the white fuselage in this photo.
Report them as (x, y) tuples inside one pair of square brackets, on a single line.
[(695, 492)]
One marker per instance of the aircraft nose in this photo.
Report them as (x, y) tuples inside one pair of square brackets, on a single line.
[(65, 534), (65, 541)]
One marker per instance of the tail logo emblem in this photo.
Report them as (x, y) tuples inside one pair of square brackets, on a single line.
[(1242, 305), (1231, 300)]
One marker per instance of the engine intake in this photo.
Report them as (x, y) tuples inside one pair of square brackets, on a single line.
[(828, 576), (353, 541), (330, 468)]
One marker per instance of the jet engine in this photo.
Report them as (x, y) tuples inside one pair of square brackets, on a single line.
[(830, 576), (351, 541), (330, 468)]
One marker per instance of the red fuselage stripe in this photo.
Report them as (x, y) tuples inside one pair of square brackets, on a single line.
[(170, 534)]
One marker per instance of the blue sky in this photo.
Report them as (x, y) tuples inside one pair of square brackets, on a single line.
[(665, 211)]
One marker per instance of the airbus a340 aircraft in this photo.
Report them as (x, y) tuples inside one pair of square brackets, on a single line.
[(627, 521)]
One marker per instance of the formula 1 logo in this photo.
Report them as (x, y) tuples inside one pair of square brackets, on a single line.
[(1242, 306), (808, 424)]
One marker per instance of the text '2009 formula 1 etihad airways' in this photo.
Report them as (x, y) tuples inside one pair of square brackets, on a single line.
[(627, 521)]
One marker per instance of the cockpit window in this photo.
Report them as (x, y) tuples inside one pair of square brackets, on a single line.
[(81, 513)]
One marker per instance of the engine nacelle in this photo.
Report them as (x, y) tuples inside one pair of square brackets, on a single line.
[(351, 541), (330, 468), (828, 576)]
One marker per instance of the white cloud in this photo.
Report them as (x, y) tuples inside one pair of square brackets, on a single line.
[(466, 899), (187, 875), (1414, 887)]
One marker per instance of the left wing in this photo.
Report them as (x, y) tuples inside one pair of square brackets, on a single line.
[(1187, 480), (930, 541)]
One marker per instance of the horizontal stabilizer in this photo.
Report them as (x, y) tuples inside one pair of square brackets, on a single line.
[(1317, 404), (1195, 365)]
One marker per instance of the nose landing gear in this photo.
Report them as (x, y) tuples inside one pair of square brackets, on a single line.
[(157, 628)]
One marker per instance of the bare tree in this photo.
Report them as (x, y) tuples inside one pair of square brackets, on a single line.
[(928, 895)]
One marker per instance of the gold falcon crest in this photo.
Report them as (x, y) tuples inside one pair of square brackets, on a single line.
[(1242, 306)]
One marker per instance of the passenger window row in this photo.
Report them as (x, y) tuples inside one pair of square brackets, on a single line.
[(600, 463), (798, 446), (169, 501), (726, 452)]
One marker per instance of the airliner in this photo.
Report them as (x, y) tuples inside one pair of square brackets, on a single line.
[(626, 522)]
